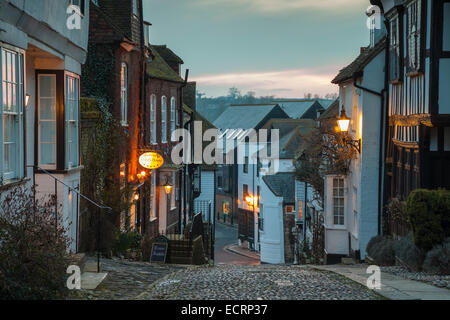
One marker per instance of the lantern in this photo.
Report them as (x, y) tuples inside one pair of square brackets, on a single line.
[(343, 121)]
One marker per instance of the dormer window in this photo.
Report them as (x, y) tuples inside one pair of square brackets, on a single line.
[(147, 33)]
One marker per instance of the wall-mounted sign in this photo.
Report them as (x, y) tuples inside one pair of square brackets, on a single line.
[(151, 160)]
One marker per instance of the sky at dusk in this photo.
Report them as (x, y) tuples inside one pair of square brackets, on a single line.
[(284, 48)]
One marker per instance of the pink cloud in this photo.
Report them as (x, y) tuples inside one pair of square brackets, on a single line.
[(282, 83)]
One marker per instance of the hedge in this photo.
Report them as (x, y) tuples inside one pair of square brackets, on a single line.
[(429, 214)]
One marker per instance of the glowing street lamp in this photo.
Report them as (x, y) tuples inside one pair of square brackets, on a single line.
[(168, 187), (343, 121)]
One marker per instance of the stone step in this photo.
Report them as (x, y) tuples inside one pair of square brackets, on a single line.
[(348, 261), (79, 260)]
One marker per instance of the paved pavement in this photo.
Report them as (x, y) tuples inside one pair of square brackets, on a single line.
[(126, 279), (263, 282), (226, 237), (392, 286)]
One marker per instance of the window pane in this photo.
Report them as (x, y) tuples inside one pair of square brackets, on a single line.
[(48, 131), (48, 154)]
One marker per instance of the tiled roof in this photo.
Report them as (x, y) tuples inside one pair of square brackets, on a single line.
[(120, 14), (247, 116), (331, 112), (360, 62), (303, 108), (282, 185), (291, 133), (168, 54), (159, 69)]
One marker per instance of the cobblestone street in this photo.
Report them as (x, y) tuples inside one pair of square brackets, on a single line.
[(144, 281), (256, 283)]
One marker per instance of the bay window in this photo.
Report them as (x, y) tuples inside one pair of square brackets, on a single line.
[(163, 119), (57, 125), (11, 115)]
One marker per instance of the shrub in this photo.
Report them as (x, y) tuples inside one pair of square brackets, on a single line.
[(428, 213), (381, 250), (128, 241), (33, 257), (408, 253), (438, 259)]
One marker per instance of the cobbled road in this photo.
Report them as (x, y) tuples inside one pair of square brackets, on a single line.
[(144, 281), (256, 283)]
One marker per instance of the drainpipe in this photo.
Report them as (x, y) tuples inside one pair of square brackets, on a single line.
[(185, 166), (382, 138)]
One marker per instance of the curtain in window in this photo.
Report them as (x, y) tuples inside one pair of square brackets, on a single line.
[(71, 121), (11, 115)]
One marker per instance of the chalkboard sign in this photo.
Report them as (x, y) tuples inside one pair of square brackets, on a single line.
[(159, 250)]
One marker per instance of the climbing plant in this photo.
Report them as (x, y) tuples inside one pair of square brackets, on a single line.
[(324, 152)]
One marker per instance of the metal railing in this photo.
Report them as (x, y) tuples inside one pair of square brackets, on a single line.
[(71, 189)]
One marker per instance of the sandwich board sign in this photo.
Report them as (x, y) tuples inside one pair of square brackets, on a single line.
[(159, 250)]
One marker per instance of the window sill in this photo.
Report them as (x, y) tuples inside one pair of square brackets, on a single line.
[(64, 171), (7, 184)]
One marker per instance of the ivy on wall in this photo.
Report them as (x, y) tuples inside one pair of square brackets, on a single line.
[(101, 141)]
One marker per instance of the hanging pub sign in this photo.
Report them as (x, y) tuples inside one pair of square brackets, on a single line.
[(151, 160)]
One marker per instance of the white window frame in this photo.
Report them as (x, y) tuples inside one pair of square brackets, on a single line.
[(71, 98), (340, 216), (47, 166), (163, 119), (124, 93), (153, 138), (173, 103), (18, 133)]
